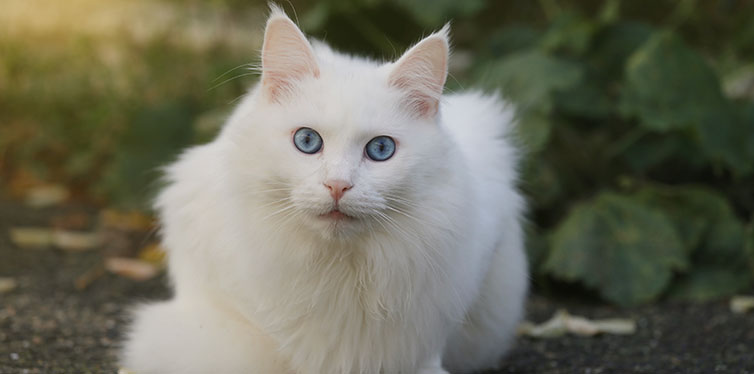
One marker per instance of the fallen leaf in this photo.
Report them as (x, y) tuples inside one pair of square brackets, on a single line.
[(154, 254), (615, 326), (125, 371), (75, 240), (562, 322), (553, 327), (127, 221), (138, 270), (31, 237), (46, 195), (42, 237), (741, 304), (7, 285)]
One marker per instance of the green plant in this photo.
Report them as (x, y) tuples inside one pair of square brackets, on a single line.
[(638, 162)]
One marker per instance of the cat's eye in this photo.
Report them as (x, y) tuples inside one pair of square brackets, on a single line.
[(307, 140), (380, 148)]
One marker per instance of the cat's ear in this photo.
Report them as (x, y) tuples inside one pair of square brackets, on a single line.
[(287, 57), (421, 72)]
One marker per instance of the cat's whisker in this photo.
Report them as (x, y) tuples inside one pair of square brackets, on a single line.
[(248, 64), (241, 96), (259, 192), (402, 201), (399, 211), (284, 209), (230, 79), (272, 203), (287, 218)]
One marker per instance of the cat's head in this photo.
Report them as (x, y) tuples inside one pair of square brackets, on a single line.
[(337, 144)]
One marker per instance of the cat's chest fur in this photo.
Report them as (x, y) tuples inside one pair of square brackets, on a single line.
[(376, 296), (348, 315)]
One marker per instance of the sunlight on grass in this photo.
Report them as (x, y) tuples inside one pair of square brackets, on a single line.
[(196, 26), (98, 94)]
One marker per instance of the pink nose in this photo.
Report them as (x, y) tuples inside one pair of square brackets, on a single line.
[(337, 188)]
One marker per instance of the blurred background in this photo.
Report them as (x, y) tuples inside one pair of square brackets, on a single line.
[(637, 118)]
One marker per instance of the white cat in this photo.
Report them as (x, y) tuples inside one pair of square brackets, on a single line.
[(348, 219)]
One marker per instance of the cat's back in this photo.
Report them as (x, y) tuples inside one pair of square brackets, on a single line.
[(482, 125)]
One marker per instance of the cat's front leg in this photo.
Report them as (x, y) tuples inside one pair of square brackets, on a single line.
[(433, 366)]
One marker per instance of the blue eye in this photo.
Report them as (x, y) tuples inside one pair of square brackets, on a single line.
[(307, 140), (380, 148)]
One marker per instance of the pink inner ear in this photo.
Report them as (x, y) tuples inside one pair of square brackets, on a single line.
[(417, 100), (287, 57), (421, 74), (279, 84)]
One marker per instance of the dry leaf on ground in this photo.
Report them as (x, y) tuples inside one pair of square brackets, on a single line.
[(47, 195), (562, 322), (126, 221), (75, 240), (741, 304), (131, 268), (43, 237), (7, 285), (154, 254), (31, 237)]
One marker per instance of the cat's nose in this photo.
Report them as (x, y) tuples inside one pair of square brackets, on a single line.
[(337, 188)]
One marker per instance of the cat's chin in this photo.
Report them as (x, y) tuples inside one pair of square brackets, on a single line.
[(335, 215), (336, 225)]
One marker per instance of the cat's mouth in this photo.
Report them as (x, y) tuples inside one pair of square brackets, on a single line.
[(336, 215)]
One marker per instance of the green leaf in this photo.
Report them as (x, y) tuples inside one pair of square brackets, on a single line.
[(727, 135), (711, 233), (724, 244), (693, 210), (605, 50), (614, 44), (705, 221), (530, 77), (618, 246), (668, 85), (709, 283), (658, 151)]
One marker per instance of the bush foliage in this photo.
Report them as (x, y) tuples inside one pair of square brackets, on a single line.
[(640, 155), (640, 166)]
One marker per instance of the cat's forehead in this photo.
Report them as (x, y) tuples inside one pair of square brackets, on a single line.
[(351, 95)]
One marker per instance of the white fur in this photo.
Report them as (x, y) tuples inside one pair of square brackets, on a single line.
[(430, 273)]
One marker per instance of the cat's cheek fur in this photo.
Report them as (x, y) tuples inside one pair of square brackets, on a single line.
[(437, 282)]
